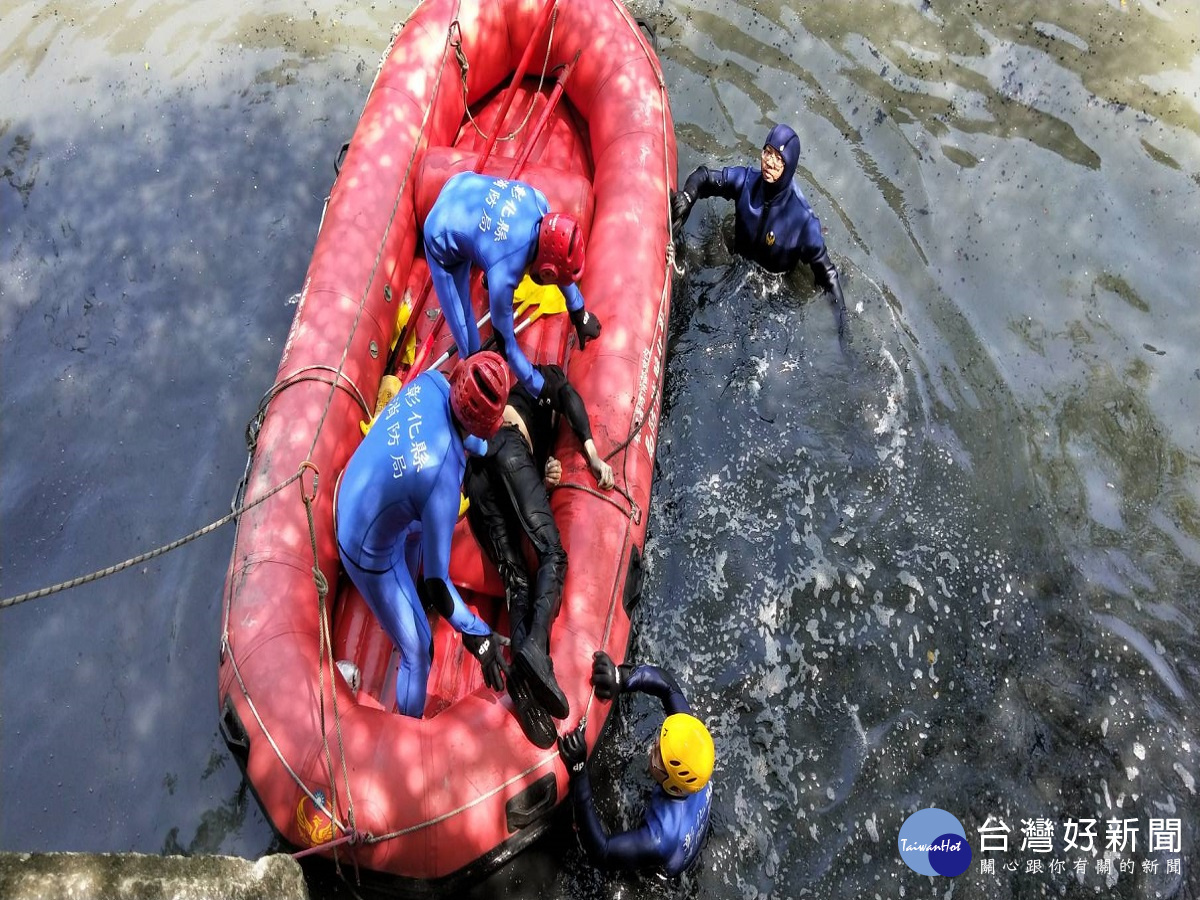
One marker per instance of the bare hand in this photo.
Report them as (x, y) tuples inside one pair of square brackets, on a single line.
[(553, 471), (603, 472)]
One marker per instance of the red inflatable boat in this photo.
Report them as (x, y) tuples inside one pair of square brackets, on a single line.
[(570, 98)]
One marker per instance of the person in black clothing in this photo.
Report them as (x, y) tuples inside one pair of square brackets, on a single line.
[(510, 502)]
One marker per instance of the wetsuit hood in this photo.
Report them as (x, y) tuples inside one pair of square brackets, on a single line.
[(787, 142)]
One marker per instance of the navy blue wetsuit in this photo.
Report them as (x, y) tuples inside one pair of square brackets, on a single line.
[(669, 838), (491, 223), (774, 226), (395, 510)]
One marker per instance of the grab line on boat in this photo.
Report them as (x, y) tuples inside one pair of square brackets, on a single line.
[(391, 835), (379, 253), (550, 13), (353, 837), (636, 426), (634, 511), (226, 647), (255, 424), (317, 802), (325, 653)]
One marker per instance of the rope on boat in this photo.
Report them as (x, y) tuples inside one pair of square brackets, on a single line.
[(112, 570), (317, 802), (464, 67), (236, 508), (353, 837), (254, 426), (362, 303), (350, 833), (362, 300), (675, 265), (325, 653), (636, 426), (633, 512)]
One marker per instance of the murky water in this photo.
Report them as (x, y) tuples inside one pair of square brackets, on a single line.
[(957, 566)]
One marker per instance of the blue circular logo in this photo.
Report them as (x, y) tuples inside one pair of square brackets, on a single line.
[(933, 842)]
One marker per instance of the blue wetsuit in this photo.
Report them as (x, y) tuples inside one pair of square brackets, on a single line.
[(774, 226), (674, 827), (395, 511), (491, 223)]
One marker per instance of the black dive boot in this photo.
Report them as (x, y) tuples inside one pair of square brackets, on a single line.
[(535, 664), (534, 721)]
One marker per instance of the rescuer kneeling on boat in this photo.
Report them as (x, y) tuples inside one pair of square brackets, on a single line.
[(504, 227), (774, 224), (681, 761), (509, 498), (395, 510)]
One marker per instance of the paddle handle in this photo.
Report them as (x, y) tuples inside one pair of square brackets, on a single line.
[(518, 76), (490, 342), (390, 366), (540, 124)]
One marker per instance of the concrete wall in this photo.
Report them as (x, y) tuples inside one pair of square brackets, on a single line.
[(133, 876)]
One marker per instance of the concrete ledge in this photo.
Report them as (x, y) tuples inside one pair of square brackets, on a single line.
[(136, 876)]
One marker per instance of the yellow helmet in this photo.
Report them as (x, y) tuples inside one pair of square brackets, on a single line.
[(687, 753)]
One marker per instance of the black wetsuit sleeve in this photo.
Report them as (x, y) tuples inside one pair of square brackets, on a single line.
[(572, 407), (629, 850), (563, 398), (706, 182), (825, 272), (661, 684)]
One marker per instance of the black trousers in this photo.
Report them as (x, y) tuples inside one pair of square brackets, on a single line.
[(510, 504)]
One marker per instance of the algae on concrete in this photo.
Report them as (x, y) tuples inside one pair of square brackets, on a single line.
[(136, 876)]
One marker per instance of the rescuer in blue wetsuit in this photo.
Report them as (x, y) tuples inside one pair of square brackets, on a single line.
[(681, 762), (396, 505), (774, 225), (504, 227)]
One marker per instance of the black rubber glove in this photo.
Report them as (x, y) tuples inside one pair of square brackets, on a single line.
[(825, 273), (587, 327), (834, 293), (607, 677), (554, 380), (572, 747), (681, 208), (486, 649)]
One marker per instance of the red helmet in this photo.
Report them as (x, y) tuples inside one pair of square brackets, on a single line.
[(559, 258), (479, 392)]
